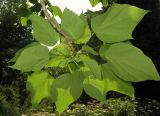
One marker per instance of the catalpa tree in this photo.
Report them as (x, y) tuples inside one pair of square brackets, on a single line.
[(94, 53)]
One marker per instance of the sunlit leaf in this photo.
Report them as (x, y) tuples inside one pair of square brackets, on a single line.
[(58, 61), (61, 49), (94, 2), (104, 2), (114, 83), (130, 63), (118, 23), (95, 88), (56, 11), (39, 84), (66, 89)]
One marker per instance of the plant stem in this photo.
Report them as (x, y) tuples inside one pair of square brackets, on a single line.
[(57, 28)]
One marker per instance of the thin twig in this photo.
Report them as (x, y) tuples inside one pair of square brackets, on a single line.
[(57, 28)]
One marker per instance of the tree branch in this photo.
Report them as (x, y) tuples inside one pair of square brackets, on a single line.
[(57, 28)]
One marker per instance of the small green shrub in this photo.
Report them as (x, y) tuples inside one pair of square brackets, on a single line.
[(9, 102), (45, 106), (112, 107)]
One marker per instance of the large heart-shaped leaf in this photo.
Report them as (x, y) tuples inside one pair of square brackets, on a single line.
[(117, 23), (43, 31), (129, 63), (66, 89), (39, 84), (72, 24), (32, 58)]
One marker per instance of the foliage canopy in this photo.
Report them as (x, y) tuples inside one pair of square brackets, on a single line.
[(122, 62)]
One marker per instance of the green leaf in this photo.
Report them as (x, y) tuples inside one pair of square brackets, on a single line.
[(60, 56), (58, 61), (113, 83), (39, 84), (103, 50), (56, 11), (94, 2), (106, 46), (61, 49), (95, 88), (94, 68), (72, 24), (88, 49), (118, 23), (43, 31), (23, 21), (66, 89), (104, 2), (84, 38), (18, 53), (129, 63), (32, 58)]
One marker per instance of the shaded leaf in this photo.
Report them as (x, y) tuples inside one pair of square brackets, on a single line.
[(43, 31), (84, 38), (94, 68), (72, 24), (88, 49), (32, 58)]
